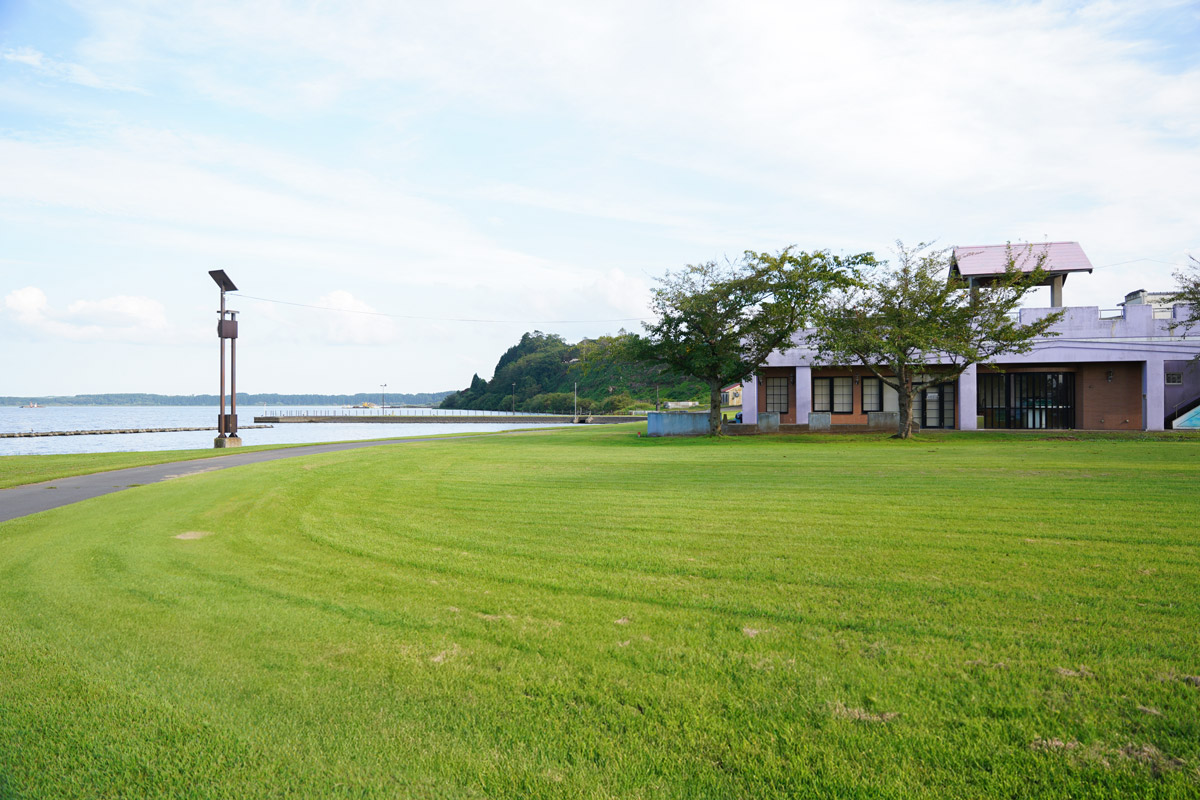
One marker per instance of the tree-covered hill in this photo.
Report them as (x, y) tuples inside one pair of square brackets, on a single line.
[(545, 369)]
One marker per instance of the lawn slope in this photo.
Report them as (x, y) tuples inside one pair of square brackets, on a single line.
[(587, 613)]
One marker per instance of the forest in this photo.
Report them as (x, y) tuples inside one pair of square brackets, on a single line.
[(539, 374)]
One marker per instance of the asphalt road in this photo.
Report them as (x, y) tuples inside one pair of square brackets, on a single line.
[(21, 501)]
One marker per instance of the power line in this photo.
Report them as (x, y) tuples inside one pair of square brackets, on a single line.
[(1136, 260), (443, 319)]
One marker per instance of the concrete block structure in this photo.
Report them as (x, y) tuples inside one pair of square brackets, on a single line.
[(668, 423)]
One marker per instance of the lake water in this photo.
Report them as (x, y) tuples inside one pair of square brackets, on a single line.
[(72, 418)]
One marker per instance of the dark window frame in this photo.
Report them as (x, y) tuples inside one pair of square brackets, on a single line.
[(830, 394), (833, 395), (767, 383), (947, 406), (827, 395), (878, 395), (1027, 400)]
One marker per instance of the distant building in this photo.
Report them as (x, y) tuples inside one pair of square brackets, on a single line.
[(731, 395), (1161, 302)]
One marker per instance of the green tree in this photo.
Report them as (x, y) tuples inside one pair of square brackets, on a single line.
[(718, 322), (915, 327), (543, 364), (1188, 282)]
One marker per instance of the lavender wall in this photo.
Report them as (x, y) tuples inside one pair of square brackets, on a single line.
[(1176, 396)]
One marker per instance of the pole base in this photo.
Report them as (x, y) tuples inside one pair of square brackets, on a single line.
[(227, 441)]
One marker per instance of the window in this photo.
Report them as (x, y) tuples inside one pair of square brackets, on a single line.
[(1036, 400), (777, 395), (821, 394), (1174, 379), (833, 394), (932, 400), (933, 407), (843, 395), (872, 394)]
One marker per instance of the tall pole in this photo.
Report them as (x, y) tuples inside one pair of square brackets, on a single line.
[(231, 428), (577, 398), (221, 341), (514, 398), (227, 435), (382, 389)]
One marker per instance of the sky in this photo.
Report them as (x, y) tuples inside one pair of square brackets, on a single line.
[(469, 171)]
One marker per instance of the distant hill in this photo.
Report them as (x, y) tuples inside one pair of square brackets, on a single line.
[(418, 399), (545, 369)]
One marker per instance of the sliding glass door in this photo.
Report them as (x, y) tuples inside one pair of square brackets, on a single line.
[(1027, 400), (935, 407)]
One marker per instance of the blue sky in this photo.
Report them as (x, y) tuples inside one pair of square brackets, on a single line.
[(537, 165)]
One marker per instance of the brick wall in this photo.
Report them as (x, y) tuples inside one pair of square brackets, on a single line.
[(1101, 404)]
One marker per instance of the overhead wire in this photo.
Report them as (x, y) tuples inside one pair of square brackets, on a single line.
[(423, 318), (442, 319), (1136, 260)]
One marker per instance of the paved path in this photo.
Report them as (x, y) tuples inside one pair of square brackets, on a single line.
[(20, 501)]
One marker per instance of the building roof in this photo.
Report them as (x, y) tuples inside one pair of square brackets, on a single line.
[(1061, 258)]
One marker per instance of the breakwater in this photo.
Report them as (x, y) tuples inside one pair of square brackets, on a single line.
[(35, 434)]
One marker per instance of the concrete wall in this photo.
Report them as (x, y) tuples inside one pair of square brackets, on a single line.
[(666, 423), (966, 399), (803, 394), (1176, 396), (750, 401)]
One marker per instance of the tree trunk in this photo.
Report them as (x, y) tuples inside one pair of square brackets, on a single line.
[(905, 396), (714, 409)]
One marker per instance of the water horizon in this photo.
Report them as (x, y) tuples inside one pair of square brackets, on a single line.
[(19, 419)]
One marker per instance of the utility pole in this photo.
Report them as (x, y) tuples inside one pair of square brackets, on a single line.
[(514, 398), (382, 390), (576, 399), (227, 328)]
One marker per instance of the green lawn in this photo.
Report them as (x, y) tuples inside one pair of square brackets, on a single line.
[(587, 613), (19, 470)]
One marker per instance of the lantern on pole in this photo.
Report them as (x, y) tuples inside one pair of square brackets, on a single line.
[(227, 328)]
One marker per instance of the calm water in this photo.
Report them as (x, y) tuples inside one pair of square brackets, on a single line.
[(73, 418)]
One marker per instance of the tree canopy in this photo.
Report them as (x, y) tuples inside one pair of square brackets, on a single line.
[(914, 326), (546, 368), (1188, 291), (718, 322)]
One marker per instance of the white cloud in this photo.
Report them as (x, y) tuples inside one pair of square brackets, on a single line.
[(122, 318), (63, 70), (29, 303), (357, 323), (534, 161), (920, 113)]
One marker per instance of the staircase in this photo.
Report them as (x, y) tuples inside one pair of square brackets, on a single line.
[(1186, 417)]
